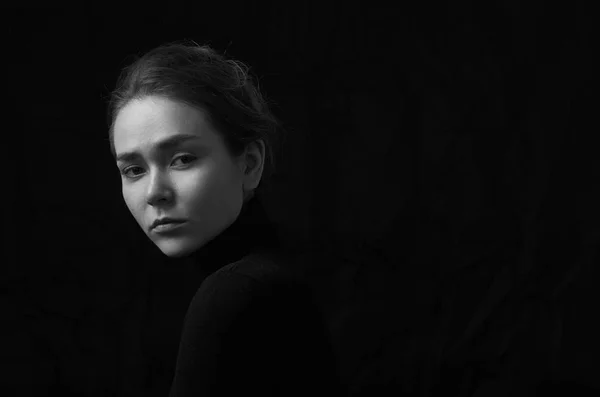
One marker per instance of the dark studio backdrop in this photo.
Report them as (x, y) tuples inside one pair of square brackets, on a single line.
[(440, 176)]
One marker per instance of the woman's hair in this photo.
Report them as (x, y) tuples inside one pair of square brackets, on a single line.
[(201, 77)]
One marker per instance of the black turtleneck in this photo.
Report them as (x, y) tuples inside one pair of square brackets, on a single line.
[(252, 326), (251, 232)]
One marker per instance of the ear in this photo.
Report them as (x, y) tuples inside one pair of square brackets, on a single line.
[(251, 164)]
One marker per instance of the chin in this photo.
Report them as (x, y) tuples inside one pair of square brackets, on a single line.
[(176, 249)]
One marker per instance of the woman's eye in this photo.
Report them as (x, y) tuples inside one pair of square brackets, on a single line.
[(185, 159), (127, 170), (185, 156)]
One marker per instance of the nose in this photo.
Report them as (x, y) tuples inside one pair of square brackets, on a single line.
[(159, 189)]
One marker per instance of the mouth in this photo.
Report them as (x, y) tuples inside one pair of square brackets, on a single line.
[(167, 227)]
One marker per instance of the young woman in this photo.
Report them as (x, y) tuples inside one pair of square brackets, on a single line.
[(193, 138)]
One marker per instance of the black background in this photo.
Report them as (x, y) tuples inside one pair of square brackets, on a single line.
[(441, 164)]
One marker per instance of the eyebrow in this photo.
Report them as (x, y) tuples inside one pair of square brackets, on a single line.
[(165, 144)]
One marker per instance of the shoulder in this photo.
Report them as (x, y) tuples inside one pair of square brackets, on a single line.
[(257, 283), (262, 267)]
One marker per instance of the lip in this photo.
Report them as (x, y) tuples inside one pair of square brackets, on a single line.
[(166, 221), (168, 227)]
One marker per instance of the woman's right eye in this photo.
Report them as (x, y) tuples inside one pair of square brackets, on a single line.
[(127, 170)]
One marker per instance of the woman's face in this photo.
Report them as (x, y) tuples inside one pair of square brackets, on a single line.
[(174, 164)]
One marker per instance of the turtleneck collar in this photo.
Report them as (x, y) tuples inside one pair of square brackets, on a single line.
[(251, 232)]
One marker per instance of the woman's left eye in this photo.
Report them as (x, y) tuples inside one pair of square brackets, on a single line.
[(185, 156)]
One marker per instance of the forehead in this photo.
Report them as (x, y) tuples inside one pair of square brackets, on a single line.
[(145, 121)]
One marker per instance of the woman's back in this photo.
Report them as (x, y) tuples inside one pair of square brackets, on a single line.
[(254, 327)]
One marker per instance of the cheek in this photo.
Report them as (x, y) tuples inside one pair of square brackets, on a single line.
[(214, 181), (131, 200), (204, 191), (217, 193)]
